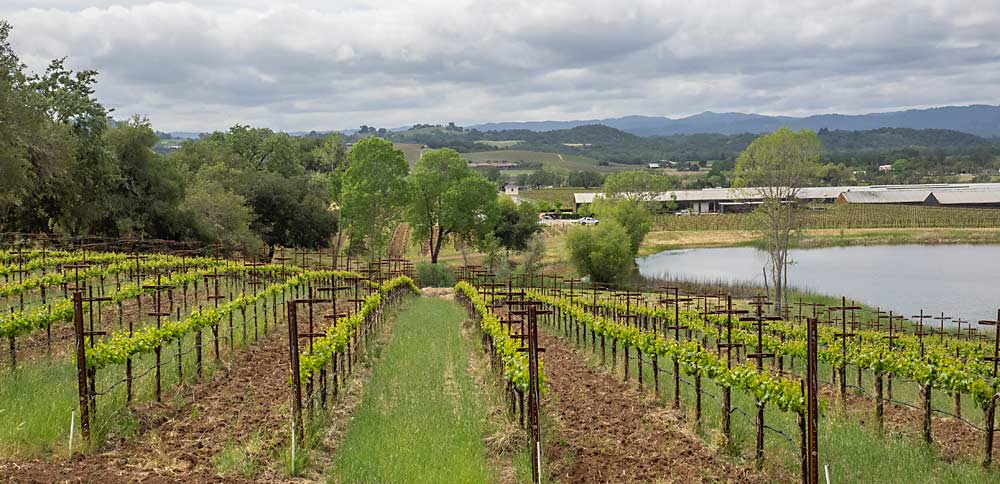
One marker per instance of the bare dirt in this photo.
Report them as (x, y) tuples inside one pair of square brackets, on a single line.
[(601, 430)]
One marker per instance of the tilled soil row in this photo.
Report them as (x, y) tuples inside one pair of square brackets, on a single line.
[(605, 431), (248, 399)]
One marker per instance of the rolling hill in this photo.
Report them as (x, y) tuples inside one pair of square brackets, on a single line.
[(981, 120)]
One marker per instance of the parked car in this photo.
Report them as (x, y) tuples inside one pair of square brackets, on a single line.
[(587, 221)]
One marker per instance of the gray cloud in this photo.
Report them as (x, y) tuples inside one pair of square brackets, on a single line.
[(306, 65)]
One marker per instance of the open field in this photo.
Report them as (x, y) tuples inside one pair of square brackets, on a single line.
[(660, 240), (412, 151), (551, 161), (847, 216), (499, 144)]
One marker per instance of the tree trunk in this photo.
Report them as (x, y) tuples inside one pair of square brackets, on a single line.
[(437, 246)]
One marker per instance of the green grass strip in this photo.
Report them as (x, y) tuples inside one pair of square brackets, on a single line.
[(421, 419)]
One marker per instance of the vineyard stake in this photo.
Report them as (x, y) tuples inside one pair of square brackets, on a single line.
[(842, 336), (990, 409), (677, 327), (81, 365), (215, 296), (759, 320), (293, 357), (812, 410), (159, 314), (728, 345)]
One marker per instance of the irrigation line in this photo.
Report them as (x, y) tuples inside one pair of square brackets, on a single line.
[(899, 402), (963, 420), (791, 441), (935, 410)]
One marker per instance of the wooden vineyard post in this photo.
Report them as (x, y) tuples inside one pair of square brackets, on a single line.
[(842, 336), (534, 393), (759, 320), (727, 408), (293, 364), (91, 333), (677, 327), (158, 313), (310, 334), (215, 296), (990, 410), (812, 410), (892, 337), (800, 418), (940, 331), (81, 365)]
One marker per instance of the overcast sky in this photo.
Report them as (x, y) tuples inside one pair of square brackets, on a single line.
[(338, 64)]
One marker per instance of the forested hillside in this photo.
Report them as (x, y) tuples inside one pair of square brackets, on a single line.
[(611, 145)]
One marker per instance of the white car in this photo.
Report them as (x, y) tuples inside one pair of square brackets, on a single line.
[(587, 221)]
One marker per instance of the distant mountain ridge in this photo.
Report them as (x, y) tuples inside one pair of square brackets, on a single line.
[(977, 119)]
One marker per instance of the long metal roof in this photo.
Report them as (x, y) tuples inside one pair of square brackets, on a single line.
[(945, 193)]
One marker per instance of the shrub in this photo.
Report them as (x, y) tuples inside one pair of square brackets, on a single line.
[(531, 258), (632, 216), (434, 275), (601, 252)]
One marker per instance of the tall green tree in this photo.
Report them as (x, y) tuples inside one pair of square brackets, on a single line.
[(330, 158), (445, 193), (262, 149), (71, 173), (36, 152), (218, 214), (145, 201), (374, 191), (774, 168), (515, 224)]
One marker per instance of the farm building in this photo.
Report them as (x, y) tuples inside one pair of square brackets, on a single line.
[(721, 200), (965, 198), (894, 197), (511, 189)]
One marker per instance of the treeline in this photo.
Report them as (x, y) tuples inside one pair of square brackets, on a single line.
[(68, 168), (610, 145)]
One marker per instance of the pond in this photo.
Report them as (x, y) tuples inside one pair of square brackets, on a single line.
[(960, 280)]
